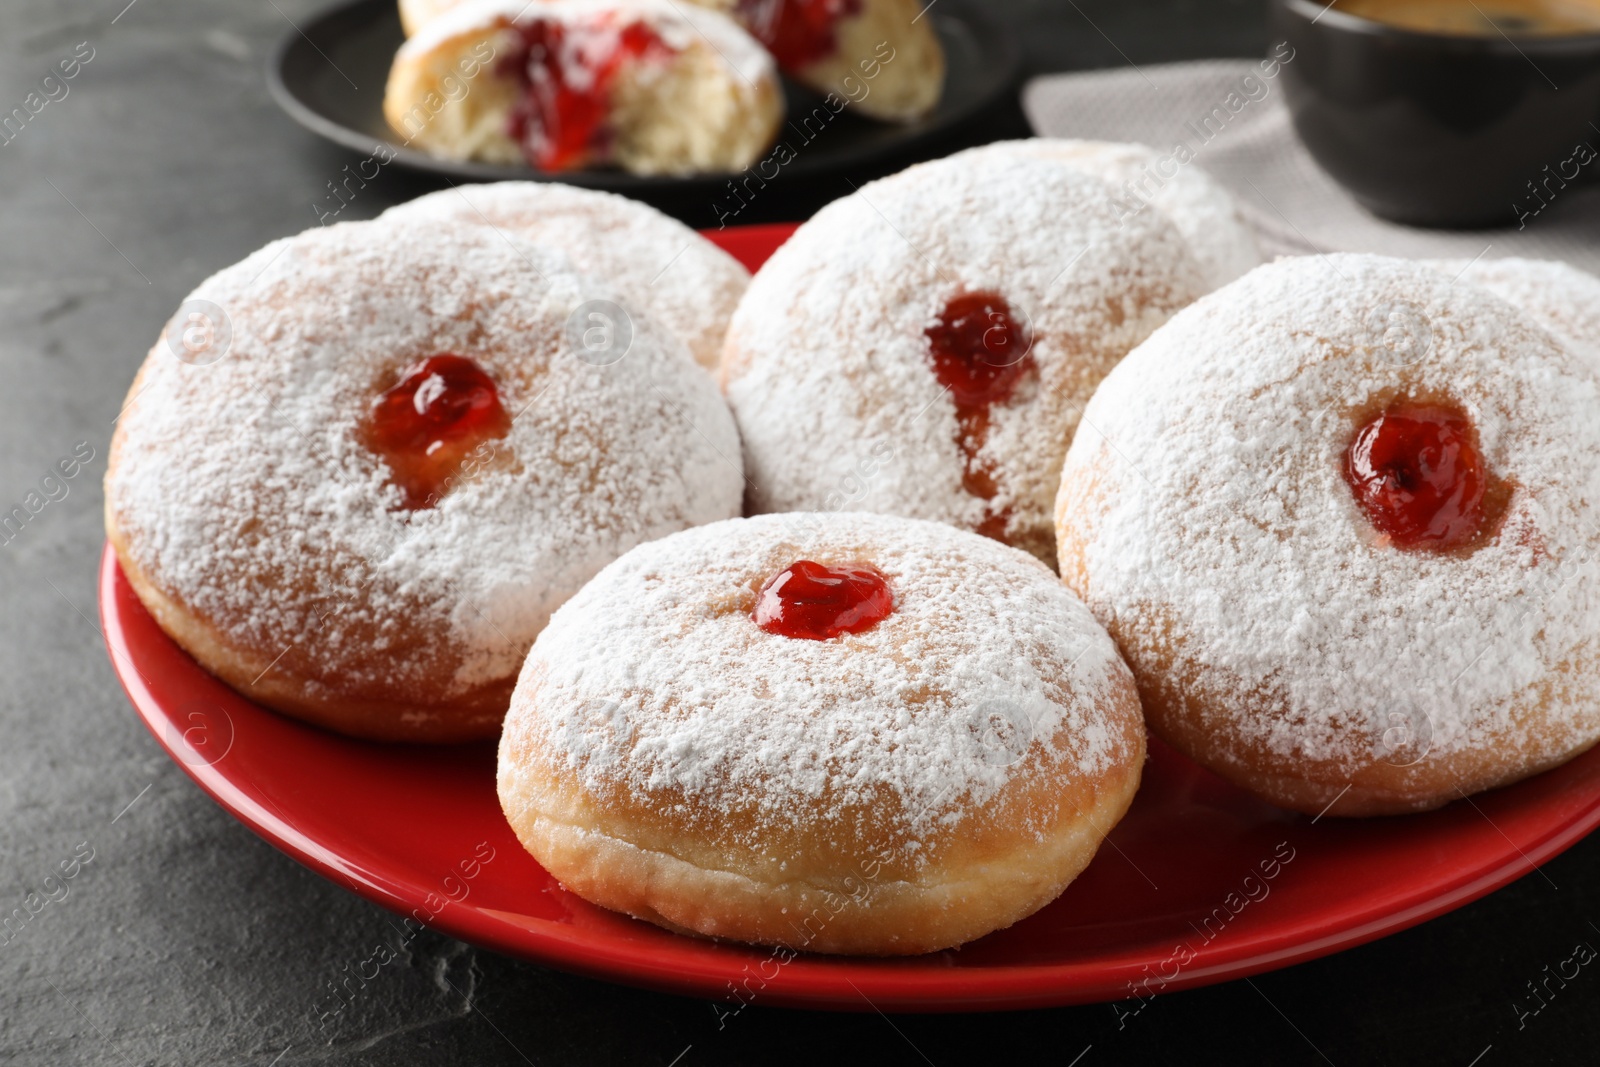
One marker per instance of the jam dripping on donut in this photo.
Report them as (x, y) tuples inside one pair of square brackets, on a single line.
[(429, 425), (980, 354), (798, 33), (567, 72), (811, 601), (1419, 477)]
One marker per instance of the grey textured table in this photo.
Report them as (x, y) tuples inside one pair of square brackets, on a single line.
[(182, 938)]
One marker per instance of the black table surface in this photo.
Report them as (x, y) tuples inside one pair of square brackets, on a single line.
[(187, 940)]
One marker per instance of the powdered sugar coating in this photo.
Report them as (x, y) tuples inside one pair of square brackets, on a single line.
[(243, 489), (655, 681), (681, 26), (656, 262), (1202, 210), (1558, 296), (1218, 534), (828, 367)]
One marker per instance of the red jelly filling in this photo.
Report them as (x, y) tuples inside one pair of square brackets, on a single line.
[(798, 33), (1418, 476), (980, 353), (815, 602), (428, 425), (567, 71)]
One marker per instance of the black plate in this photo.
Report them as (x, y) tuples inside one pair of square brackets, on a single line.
[(329, 75)]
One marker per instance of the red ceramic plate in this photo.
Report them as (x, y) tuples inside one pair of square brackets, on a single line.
[(1201, 882)]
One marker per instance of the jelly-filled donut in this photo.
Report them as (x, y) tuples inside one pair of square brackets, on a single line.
[(1145, 179), (655, 262), (841, 733), (880, 55), (651, 86), (1556, 295), (924, 346), (1339, 517), (883, 56), (360, 495)]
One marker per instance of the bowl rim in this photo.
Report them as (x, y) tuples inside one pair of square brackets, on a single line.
[(1317, 13)]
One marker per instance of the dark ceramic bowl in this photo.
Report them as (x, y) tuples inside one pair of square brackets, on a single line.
[(1437, 130)]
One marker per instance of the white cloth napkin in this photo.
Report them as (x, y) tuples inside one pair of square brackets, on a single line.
[(1293, 204)]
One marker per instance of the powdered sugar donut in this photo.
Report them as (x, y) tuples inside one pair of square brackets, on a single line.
[(1142, 177), (1339, 517), (652, 86), (365, 501), (924, 346), (882, 55), (1558, 296), (656, 263), (839, 733)]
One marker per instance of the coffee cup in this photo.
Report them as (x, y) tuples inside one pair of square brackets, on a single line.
[(1440, 127)]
